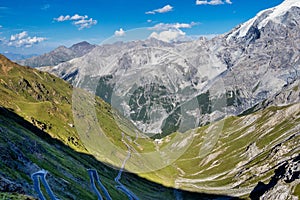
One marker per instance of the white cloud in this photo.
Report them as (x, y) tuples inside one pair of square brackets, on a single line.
[(170, 32), (119, 33), (78, 17), (23, 40), (81, 21), (85, 23), (169, 35), (163, 26), (18, 36), (212, 2), (62, 18), (164, 9)]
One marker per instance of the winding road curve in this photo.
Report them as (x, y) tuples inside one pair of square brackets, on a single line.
[(36, 181)]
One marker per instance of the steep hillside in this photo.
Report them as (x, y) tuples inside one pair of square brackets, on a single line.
[(40, 98)]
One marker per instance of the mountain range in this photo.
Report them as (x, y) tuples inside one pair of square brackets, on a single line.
[(58, 55), (150, 81)]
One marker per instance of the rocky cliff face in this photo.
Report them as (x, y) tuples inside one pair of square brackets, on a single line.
[(161, 86), (280, 186)]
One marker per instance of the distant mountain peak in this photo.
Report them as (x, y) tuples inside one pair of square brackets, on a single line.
[(280, 10), (59, 55), (80, 44), (263, 17), (82, 48), (60, 48)]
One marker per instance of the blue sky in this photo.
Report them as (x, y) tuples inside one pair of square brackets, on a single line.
[(38, 26)]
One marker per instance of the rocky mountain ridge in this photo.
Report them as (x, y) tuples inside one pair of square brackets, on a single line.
[(150, 81)]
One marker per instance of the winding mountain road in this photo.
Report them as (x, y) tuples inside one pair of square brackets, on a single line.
[(120, 186)]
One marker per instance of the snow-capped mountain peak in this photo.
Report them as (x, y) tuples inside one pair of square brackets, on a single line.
[(262, 18)]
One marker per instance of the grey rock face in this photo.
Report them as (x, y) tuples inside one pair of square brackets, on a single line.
[(281, 185)]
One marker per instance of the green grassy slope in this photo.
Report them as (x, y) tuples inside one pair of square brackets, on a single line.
[(40, 98), (248, 150), (15, 196)]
